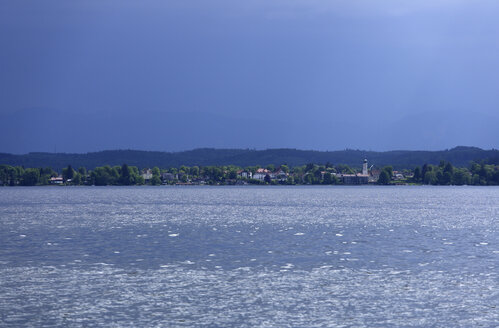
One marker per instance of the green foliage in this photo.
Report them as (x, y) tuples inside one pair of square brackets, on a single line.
[(194, 171), (77, 180), (271, 167), (344, 169), (155, 180), (232, 174), (329, 179), (30, 177), (430, 177), (478, 173), (417, 175), (310, 167), (83, 171), (461, 177), (388, 170), (384, 177), (68, 173)]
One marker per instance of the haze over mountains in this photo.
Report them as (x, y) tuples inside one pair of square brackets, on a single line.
[(43, 130)]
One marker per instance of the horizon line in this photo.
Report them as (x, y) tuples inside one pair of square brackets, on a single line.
[(247, 149)]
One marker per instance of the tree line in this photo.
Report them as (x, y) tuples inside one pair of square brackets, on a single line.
[(313, 174)]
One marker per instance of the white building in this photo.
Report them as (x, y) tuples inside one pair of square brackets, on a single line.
[(147, 174), (245, 174), (260, 174)]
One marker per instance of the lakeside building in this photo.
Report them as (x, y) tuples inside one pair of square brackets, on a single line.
[(280, 175), (397, 175), (358, 178), (374, 175), (354, 179), (147, 175), (56, 180), (168, 177), (245, 174), (364, 167), (261, 173)]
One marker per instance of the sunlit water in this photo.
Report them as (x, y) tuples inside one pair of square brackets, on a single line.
[(249, 256)]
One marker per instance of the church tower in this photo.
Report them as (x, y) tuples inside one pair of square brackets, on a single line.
[(364, 168)]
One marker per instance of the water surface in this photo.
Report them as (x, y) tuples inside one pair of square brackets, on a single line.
[(249, 256)]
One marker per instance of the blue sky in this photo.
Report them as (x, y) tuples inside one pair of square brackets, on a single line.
[(80, 76)]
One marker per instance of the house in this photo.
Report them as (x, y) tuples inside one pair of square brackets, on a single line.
[(280, 175), (168, 177), (261, 173), (244, 174), (397, 175), (374, 175), (147, 175), (56, 180)]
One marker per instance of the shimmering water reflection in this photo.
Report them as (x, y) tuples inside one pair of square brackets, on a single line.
[(249, 256)]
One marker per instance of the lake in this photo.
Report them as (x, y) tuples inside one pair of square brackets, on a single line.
[(338, 256)]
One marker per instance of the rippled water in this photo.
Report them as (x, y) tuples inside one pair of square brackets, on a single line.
[(249, 256)]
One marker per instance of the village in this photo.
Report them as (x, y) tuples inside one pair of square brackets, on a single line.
[(281, 175)]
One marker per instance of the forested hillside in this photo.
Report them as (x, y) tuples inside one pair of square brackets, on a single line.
[(399, 159)]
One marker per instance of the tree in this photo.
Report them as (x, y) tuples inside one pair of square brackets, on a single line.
[(440, 176), (267, 179), (449, 168), (68, 173), (83, 171), (105, 175), (384, 178), (344, 169), (425, 169), (126, 177), (461, 177), (232, 174), (195, 171), (417, 174), (309, 167), (271, 167), (30, 177), (155, 180), (329, 179), (5, 174), (430, 178), (76, 179), (495, 177), (388, 170)]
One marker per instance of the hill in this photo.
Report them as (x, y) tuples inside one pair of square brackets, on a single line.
[(399, 159)]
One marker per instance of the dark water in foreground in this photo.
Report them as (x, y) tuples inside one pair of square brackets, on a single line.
[(249, 256)]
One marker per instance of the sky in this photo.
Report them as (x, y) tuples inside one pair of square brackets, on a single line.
[(82, 76)]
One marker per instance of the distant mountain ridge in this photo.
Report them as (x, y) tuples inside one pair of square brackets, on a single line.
[(458, 156)]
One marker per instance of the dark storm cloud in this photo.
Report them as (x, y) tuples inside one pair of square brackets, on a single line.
[(172, 75)]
